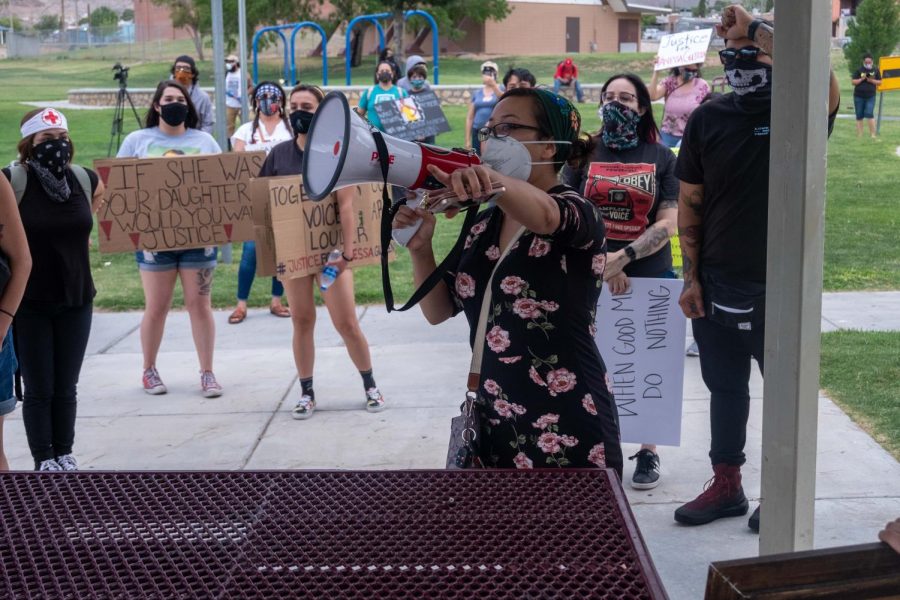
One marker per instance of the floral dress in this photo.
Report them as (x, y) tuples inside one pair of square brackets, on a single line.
[(547, 401)]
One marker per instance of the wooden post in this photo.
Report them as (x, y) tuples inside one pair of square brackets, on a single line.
[(794, 274)]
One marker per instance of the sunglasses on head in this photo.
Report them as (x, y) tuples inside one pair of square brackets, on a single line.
[(746, 53)]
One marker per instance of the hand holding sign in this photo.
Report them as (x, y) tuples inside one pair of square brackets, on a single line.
[(685, 48)]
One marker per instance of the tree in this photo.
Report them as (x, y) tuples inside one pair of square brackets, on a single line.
[(701, 9), (104, 21), (184, 13), (47, 24), (128, 14), (876, 30), (770, 6)]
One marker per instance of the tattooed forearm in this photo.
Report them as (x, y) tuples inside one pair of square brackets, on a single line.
[(668, 204), (204, 281), (650, 241), (691, 236), (765, 38), (689, 274), (693, 199)]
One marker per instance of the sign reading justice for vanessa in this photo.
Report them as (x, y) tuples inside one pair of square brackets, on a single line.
[(176, 202), (641, 337), (685, 48)]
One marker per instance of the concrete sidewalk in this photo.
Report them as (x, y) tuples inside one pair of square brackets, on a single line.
[(421, 370)]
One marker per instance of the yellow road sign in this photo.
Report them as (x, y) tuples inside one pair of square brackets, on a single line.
[(890, 73)]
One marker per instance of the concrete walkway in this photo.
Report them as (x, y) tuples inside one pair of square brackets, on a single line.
[(421, 370)]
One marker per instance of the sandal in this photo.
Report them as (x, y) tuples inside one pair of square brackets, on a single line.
[(280, 310), (237, 316)]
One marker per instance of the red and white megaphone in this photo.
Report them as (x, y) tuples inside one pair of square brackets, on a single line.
[(340, 152)]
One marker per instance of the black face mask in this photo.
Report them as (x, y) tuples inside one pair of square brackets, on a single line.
[(54, 155), (384, 77), (174, 113), (749, 77), (300, 120)]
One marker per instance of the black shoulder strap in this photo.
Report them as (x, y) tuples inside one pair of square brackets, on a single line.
[(387, 217)]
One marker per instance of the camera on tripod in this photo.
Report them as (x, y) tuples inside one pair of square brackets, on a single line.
[(120, 74)]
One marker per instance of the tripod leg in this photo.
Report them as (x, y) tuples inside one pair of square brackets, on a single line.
[(116, 134), (133, 109)]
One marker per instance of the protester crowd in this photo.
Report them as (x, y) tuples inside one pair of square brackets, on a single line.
[(537, 257)]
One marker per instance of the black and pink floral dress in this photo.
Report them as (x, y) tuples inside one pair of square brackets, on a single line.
[(547, 400)]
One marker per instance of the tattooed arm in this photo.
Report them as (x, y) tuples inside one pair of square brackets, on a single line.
[(690, 232), (15, 245), (654, 238)]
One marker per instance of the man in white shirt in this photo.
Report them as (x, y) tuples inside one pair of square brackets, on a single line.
[(234, 91)]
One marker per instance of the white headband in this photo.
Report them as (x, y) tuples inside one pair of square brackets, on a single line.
[(49, 118)]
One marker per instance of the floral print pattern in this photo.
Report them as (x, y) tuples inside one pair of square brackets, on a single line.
[(543, 385)]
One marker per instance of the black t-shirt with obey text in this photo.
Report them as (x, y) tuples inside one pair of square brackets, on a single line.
[(628, 187), (865, 89), (725, 149)]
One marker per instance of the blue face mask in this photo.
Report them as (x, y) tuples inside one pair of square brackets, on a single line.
[(417, 84)]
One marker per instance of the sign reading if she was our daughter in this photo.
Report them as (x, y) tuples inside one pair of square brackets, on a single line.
[(641, 337), (176, 202)]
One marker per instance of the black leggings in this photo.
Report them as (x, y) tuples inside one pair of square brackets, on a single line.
[(51, 342)]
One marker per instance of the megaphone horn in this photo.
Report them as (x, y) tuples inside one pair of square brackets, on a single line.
[(340, 152)]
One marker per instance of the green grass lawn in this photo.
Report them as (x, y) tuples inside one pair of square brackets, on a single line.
[(860, 371), (862, 249)]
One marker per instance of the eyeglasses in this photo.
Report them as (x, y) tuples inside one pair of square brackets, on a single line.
[(623, 97), (746, 53), (502, 130), (488, 71), (183, 70)]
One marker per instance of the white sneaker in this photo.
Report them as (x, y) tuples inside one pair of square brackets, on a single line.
[(304, 409), (153, 384), (67, 462), (211, 387), (374, 400), (50, 465), (692, 350)]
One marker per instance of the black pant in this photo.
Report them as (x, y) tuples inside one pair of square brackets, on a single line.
[(725, 355), (51, 342)]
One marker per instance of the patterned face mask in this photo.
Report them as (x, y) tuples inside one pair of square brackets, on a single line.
[(620, 126)]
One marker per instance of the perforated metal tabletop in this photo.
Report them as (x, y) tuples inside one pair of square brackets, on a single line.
[(321, 534)]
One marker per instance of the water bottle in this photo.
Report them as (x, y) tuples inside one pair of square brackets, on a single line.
[(330, 272)]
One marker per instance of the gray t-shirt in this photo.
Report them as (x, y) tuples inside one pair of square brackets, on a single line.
[(151, 143), (205, 112)]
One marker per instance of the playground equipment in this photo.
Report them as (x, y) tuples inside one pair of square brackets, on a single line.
[(375, 20), (290, 61)]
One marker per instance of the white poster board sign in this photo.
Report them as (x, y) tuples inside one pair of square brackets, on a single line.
[(641, 338), (685, 48)]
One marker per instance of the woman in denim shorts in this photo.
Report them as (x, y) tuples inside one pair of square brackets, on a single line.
[(172, 129), (14, 245)]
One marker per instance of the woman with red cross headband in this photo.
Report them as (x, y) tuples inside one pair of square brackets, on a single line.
[(56, 200)]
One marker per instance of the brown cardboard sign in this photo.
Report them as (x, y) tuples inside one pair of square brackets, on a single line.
[(177, 202), (305, 232)]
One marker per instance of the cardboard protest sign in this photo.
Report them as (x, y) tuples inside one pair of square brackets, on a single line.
[(176, 202), (262, 227), (685, 48), (641, 337), (413, 118), (304, 232)]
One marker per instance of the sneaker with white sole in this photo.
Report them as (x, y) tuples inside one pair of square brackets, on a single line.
[(211, 387), (67, 462), (49, 465), (692, 350), (646, 471), (374, 400), (153, 385), (305, 408)]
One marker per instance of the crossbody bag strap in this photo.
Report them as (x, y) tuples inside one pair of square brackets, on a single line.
[(478, 347)]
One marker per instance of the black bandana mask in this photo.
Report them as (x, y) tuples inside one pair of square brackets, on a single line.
[(749, 77), (54, 156), (300, 121)]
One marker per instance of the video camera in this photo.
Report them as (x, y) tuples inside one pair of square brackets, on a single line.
[(120, 74)]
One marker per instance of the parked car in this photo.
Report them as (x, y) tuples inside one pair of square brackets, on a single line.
[(652, 34)]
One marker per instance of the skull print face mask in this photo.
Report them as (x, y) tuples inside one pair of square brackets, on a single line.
[(749, 77)]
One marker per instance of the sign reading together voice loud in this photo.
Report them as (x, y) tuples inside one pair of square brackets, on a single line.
[(294, 234), (176, 202), (641, 336), (685, 48)]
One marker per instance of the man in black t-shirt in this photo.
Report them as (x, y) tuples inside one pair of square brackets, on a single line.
[(723, 166), (865, 80)]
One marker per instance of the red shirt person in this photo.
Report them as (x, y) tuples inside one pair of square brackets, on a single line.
[(567, 74)]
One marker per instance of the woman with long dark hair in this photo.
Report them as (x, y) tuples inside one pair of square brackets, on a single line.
[(269, 127), (683, 90), (627, 145), (171, 129), (543, 392), (56, 202)]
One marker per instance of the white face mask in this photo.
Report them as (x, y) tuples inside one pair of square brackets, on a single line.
[(508, 156)]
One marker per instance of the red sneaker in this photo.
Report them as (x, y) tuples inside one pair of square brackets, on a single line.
[(153, 385), (723, 496)]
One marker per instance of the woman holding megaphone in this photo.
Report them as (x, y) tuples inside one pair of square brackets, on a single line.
[(539, 252), (287, 159)]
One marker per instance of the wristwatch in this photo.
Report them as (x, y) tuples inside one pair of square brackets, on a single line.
[(630, 253)]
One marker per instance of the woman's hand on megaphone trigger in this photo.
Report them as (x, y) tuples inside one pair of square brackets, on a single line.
[(469, 182), (408, 217)]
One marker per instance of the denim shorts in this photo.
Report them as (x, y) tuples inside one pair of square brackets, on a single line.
[(8, 365), (865, 107), (173, 260)]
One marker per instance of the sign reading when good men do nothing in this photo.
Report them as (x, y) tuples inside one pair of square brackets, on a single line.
[(176, 202)]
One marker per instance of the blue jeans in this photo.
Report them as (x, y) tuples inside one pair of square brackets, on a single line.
[(865, 107), (669, 140), (247, 272), (558, 83), (8, 366)]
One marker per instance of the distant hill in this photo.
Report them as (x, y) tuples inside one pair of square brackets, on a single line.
[(32, 10)]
